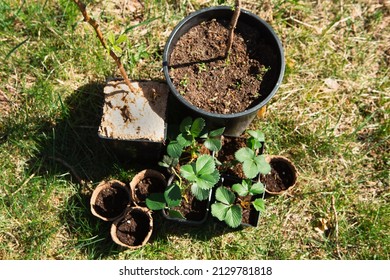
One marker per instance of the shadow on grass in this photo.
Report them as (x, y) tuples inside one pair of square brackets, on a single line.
[(72, 145)]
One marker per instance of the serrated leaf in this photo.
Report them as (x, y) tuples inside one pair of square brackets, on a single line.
[(225, 196), (256, 134), (240, 189), (185, 125), (219, 210), (205, 164), (213, 144), (216, 132), (172, 195), (156, 201), (184, 140), (200, 194), (259, 204), (175, 214), (233, 216), (174, 149), (244, 154), (207, 181), (188, 172), (122, 38), (254, 144), (257, 188), (250, 168), (263, 166), (197, 127)]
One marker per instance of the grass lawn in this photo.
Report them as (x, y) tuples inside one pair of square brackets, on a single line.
[(330, 116)]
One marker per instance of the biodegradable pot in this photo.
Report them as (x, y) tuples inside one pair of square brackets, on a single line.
[(133, 229), (109, 200), (234, 123), (144, 183), (283, 175)]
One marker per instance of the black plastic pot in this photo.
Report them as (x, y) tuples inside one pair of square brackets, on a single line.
[(235, 123)]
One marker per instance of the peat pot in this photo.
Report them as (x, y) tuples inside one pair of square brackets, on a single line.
[(283, 175), (144, 183), (133, 229), (270, 55), (109, 200)]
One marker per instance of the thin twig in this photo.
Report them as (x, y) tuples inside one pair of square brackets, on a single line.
[(24, 184), (233, 24), (71, 169), (336, 225), (99, 34)]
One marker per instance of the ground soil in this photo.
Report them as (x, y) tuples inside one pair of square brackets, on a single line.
[(280, 178), (133, 228), (147, 186), (207, 79), (112, 201)]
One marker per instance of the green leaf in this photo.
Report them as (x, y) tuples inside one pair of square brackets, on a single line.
[(254, 144), (257, 188), (225, 196), (111, 38), (117, 50), (200, 194), (216, 132), (244, 154), (240, 189), (250, 168), (259, 204), (185, 125), (219, 210), (207, 181), (213, 144), (188, 172), (256, 134), (184, 140), (233, 216), (175, 214), (172, 195), (263, 166), (122, 38), (205, 164), (174, 149), (197, 127), (156, 201)]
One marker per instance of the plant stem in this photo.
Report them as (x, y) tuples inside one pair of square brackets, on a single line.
[(233, 24), (99, 34)]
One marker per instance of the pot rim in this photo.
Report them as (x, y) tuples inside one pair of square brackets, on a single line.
[(246, 112), (113, 230), (269, 158), (146, 173), (103, 185)]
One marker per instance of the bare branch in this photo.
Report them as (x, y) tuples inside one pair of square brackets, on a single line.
[(233, 24), (99, 34)]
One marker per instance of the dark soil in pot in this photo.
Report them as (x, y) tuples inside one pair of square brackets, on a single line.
[(229, 165), (249, 214), (111, 201), (133, 228), (282, 177), (214, 83), (191, 208), (147, 186)]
